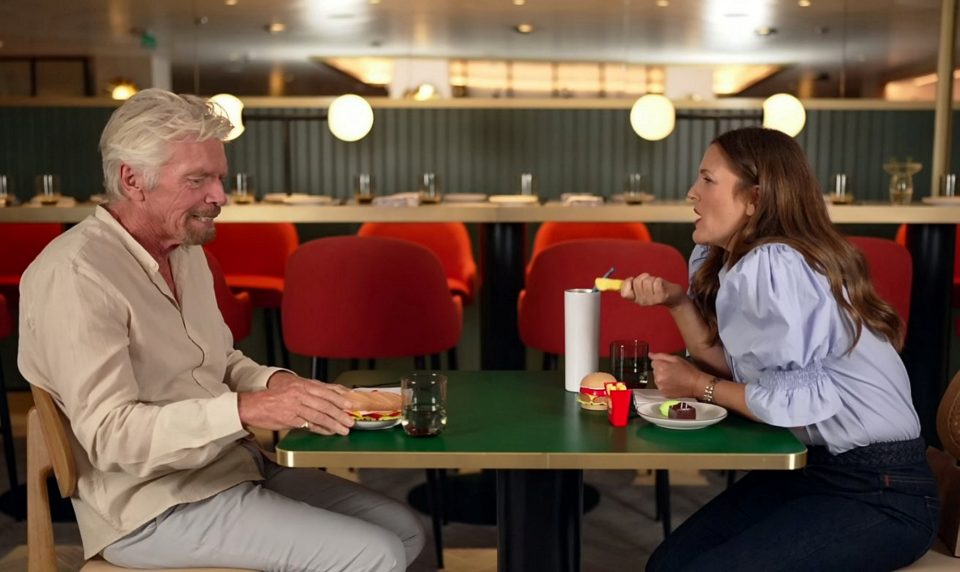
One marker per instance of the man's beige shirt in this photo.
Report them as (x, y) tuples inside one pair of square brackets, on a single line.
[(148, 384)]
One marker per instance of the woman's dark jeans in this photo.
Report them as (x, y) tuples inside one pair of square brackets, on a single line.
[(874, 508)]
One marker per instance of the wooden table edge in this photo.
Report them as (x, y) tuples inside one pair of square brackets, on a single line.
[(447, 460)]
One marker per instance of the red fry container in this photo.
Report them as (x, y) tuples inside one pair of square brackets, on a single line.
[(619, 409)]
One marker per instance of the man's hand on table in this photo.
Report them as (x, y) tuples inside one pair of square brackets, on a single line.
[(292, 402)]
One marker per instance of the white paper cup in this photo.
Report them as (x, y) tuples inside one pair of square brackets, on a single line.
[(581, 335)]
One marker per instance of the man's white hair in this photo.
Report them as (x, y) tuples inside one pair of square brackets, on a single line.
[(139, 133)]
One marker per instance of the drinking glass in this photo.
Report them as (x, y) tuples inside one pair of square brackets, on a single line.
[(948, 185), (634, 188), (364, 188), (840, 195), (630, 363), (4, 190), (527, 184), (48, 188), (243, 189), (424, 398), (429, 188)]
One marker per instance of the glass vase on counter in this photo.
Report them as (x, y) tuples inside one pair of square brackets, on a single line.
[(901, 179)]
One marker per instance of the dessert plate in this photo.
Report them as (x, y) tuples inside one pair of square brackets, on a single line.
[(465, 198), (707, 414), (941, 200), (63, 201), (370, 420), (298, 199), (514, 199), (642, 198)]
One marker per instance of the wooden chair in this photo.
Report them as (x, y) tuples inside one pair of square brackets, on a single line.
[(945, 553), (48, 451)]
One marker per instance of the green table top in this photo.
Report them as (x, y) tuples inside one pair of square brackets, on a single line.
[(525, 420)]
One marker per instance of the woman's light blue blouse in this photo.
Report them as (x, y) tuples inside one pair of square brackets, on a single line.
[(784, 336)]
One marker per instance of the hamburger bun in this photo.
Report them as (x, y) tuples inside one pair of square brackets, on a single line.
[(374, 400), (593, 393)]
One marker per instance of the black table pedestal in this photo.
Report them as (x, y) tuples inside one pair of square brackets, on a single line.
[(926, 353), (502, 258), (547, 506)]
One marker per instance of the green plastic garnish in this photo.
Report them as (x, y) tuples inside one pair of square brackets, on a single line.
[(665, 407)]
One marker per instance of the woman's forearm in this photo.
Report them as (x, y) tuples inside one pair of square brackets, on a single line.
[(696, 335)]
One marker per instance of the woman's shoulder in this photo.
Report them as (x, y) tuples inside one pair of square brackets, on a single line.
[(775, 270), (770, 257)]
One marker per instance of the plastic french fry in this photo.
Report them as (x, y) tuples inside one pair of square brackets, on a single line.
[(605, 284)]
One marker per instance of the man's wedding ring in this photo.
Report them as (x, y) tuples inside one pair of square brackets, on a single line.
[(305, 425)]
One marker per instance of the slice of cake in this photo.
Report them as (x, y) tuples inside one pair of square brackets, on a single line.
[(682, 410)]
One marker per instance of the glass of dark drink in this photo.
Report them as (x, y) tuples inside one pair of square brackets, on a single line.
[(630, 362), (424, 409)]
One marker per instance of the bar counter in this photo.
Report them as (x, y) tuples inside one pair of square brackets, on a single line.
[(655, 212)]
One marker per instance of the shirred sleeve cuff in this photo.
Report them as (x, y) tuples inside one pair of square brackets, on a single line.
[(793, 398)]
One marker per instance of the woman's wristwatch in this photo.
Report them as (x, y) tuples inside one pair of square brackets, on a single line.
[(709, 389)]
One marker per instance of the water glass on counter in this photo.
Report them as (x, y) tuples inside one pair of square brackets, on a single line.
[(840, 196), (48, 188), (243, 189), (527, 184), (429, 188), (634, 188), (424, 403), (5, 196), (630, 362), (364, 188), (948, 185)]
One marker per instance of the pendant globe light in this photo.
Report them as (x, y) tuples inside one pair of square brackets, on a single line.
[(350, 117), (653, 117), (230, 107), (785, 113)]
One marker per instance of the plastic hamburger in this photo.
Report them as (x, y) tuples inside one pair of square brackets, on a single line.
[(593, 391), (374, 405)]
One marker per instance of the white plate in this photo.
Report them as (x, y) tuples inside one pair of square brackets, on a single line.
[(301, 199), (371, 425), (65, 202), (644, 198), (941, 200), (514, 199), (707, 414), (297, 199), (465, 198)]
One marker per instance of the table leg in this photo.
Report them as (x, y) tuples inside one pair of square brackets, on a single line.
[(538, 520), (502, 257), (926, 353)]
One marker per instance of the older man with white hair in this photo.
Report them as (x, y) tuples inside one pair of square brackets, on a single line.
[(120, 324)]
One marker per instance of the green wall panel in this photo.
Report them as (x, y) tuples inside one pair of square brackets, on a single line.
[(477, 150)]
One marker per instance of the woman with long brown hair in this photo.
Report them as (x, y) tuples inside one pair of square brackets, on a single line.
[(784, 327)]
